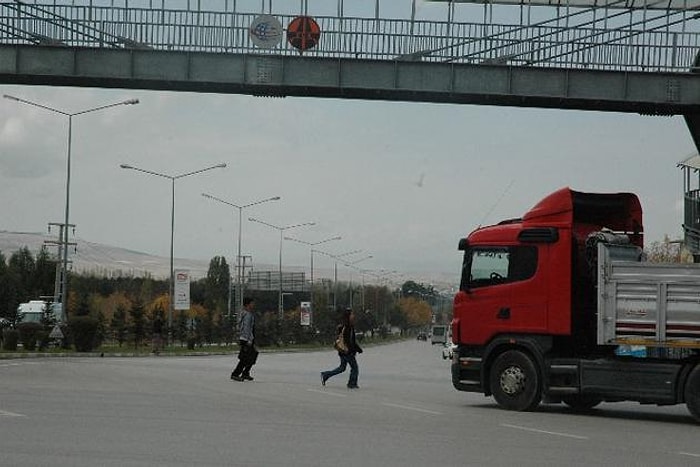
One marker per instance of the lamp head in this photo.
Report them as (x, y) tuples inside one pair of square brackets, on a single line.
[(126, 166), (131, 102)]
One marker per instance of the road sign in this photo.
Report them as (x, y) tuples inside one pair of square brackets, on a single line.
[(305, 313), (304, 33), (266, 31), (56, 333)]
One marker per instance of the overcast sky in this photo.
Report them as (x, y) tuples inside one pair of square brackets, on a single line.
[(400, 181)]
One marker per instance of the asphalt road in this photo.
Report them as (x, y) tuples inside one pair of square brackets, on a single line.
[(185, 411)]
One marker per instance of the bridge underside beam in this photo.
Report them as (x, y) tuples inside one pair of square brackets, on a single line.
[(636, 92)]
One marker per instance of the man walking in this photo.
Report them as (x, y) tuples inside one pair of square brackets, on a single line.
[(247, 355)]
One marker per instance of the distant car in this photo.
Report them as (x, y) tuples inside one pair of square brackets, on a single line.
[(448, 350), (422, 336)]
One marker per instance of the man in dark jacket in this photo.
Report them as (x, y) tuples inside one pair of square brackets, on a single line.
[(248, 354)]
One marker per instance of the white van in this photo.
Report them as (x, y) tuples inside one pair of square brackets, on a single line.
[(439, 334)]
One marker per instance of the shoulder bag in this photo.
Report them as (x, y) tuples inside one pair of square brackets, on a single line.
[(340, 345)]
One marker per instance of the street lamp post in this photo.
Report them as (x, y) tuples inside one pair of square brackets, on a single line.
[(64, 240), (239, 269), (281, 229), (352, 264), (335, 274), (172, 179), (313, 244), (383, 279)]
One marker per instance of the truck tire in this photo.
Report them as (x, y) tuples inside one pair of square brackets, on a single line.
[(515, 381), (692, 393), (581, 403)]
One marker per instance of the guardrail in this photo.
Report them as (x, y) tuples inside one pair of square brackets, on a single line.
[(660, 43)]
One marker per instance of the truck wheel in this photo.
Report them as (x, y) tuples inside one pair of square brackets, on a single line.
[(515, 382), (579, 403), (692, 393)]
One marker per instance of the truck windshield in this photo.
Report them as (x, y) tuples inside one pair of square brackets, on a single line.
[(485, 266)]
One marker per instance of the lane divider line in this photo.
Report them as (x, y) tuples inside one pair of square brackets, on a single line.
[(406, 407), (690, 454), (534, 430), (4, 413), (328, 393)]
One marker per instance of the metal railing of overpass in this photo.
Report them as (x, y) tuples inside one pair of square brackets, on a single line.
[(616, 39)]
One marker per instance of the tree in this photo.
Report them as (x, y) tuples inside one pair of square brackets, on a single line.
[(137, 322), (83, 305), (667, 251), (23, 265), (413, 289), (45, 273), (118, 324), (417, 312), (101, 330), (182, 326), (217, 285), (9, 291), (202, 319)]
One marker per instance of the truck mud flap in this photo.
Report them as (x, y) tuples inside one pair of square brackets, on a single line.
[(466, 374)]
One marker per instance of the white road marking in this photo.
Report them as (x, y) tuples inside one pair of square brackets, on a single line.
[(690, 454), (534, 430), (4, 413), (16, 364), (417, 409), (328, 393)]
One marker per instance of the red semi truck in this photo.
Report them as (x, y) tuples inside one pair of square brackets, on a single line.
[(549, 305)]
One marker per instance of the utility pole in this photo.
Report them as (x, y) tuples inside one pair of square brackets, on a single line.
[(241, 287), (61, 266)]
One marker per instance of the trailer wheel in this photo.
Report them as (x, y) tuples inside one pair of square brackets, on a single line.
[(692, 393), (515, 382), (579, 403)]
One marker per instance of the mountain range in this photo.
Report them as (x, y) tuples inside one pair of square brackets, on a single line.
[(102, 260), (110, 261)]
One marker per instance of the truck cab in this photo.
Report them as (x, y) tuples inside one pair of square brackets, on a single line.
[(545, 301), (529, 275)]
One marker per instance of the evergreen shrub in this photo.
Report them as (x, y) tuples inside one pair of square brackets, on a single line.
[(84, 333), (10, 338), (28, 334)]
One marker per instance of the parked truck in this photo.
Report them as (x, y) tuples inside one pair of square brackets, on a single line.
[(550, 304), (34, 311)]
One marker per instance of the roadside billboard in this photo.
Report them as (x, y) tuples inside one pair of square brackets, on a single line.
[(182, 289)]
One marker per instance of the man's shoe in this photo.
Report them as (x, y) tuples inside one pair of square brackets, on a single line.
[(247, 378), (353, 386), (236, 378), (323, 379)]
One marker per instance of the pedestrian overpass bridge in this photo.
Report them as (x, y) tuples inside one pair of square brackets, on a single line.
[(638, 56), (622, 55)]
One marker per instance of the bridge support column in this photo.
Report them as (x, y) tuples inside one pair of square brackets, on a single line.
[(693, 122)]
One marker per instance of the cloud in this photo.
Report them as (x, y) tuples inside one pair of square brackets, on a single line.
[(12, 132)]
